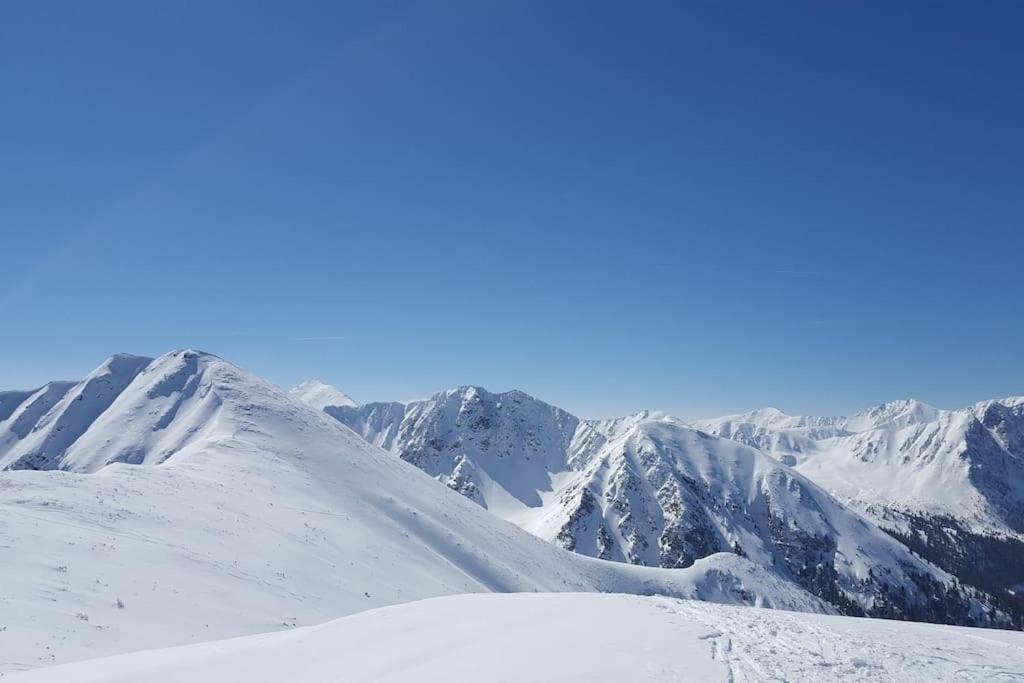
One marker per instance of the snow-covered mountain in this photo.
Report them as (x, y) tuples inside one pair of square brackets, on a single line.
[(906, 456), (650, 490), (204, 503), (574, 637), (948, 483), (786, 436), (892, 415), (319, 395), (42, 427)]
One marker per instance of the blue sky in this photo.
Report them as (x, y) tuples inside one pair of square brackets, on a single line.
[(702, 208)]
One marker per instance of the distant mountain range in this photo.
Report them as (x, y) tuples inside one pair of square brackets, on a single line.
[(651, 490), (182, 499), (948, 483), (172, 500)]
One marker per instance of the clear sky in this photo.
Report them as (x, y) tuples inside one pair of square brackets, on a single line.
[(701, 208)]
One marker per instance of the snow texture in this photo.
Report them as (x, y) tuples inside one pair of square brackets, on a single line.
[(575, 637)]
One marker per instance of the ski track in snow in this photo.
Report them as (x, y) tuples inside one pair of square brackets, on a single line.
[(784, 646)]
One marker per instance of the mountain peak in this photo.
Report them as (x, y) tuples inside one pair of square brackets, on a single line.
[(899, 413), (763, 418), (120, 363), (766, 414), (900, 404), (320, 395), (472, 392), (466, 390)]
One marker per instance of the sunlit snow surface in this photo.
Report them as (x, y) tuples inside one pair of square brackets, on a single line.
[(648, 489), (574, 637), (264, 514), (203, 503)]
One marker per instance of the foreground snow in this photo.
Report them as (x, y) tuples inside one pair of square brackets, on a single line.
[(574, 637)]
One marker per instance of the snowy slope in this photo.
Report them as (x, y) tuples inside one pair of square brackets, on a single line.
[(263, 514), (574, 637), (950, 483), (41, 430), (650, 490), (319, 395)]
